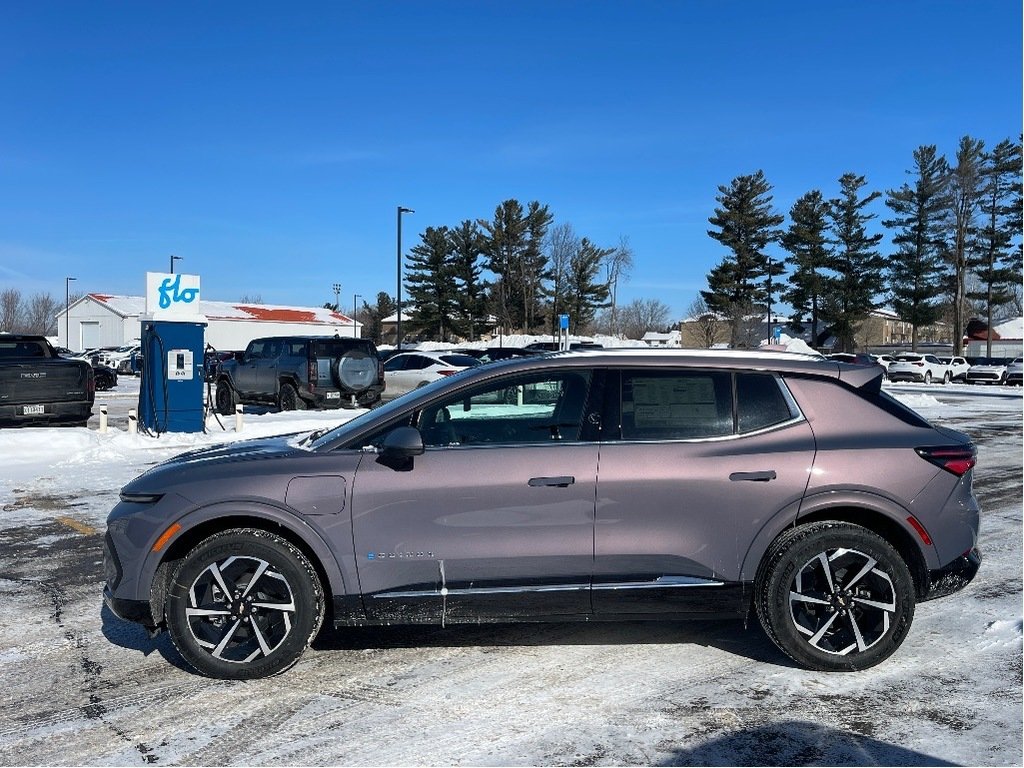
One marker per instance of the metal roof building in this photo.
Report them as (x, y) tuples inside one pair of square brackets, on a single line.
[(102, 320)]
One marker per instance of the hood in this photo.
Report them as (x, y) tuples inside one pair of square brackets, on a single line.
[(244, 450)]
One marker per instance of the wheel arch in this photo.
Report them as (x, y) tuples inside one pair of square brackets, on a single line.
[(203, 523), (897, 535)]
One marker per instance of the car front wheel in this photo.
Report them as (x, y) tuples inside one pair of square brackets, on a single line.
[(834, 596), (225, 398), (244, 604)]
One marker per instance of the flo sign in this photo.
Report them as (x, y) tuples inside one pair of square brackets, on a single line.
[(172, 297)]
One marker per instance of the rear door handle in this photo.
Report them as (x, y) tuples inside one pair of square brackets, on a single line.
[(551, 482), (757, 477)]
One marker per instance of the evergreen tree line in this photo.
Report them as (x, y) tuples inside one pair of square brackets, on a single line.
[(518, 267), (955, 234)]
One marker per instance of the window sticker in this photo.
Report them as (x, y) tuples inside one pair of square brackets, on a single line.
[(673, 402)]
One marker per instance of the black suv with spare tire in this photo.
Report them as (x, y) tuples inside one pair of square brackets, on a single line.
[(297, 372)]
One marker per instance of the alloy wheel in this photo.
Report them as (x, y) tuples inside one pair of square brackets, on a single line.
[(240, 609), (842, 602)]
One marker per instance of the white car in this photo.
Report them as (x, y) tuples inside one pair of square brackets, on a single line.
[(407, 371), (1014, 371), (912, 366), (988, 370), (958, 367)]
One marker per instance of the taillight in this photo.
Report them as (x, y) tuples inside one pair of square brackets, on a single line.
[(957, 459), (314, 372), (919, 364), (446, 373)]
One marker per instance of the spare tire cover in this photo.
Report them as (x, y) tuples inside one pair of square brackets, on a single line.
[(355, 370)]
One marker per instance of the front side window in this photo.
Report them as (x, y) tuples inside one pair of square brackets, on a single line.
[(524, 409)]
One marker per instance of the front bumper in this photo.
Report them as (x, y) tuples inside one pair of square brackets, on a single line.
[(137, 611), (953, 577)]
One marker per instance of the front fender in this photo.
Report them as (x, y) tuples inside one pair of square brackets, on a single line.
[(196, 525)]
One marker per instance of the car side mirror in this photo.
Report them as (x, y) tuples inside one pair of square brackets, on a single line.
[(399, 447)]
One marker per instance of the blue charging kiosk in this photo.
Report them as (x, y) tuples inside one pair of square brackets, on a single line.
[(172, 345)]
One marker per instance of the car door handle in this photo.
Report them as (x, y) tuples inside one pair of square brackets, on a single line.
[(551, 482), (757, 477)]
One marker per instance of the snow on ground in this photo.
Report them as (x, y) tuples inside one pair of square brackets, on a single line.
[(83, 688)]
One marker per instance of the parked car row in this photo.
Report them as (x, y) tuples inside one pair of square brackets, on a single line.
[(927, 368)]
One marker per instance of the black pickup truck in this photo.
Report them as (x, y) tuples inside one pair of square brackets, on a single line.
[(38, 386), (297, 372)]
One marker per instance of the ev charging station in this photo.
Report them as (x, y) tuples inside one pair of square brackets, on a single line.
[(172, 336)]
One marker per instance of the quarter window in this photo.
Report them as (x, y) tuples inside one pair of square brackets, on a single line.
[(760, 402)]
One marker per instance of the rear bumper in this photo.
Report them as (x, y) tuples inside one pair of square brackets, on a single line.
[(953, 577), (53, 413)]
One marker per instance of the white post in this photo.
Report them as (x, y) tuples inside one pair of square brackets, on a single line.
[(238, 418), (133, 421), (103, 418)]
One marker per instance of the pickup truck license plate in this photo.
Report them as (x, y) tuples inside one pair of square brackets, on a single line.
[(332, 395), (32, 410)]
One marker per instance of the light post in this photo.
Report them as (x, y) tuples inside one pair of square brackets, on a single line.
[(67, 311), (355, 306), (336, 287), (398, 292), (174, 259)]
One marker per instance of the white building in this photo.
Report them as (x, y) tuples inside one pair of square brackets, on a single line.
[(671, 339), (101, 320)]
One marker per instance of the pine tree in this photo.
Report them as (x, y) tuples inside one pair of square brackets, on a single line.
[(849, 292), (746, 225), (916, 269), (467, 244), (584, 295), (996, 262), (806, 241), (963, 199), (431, 284), (513, 250)]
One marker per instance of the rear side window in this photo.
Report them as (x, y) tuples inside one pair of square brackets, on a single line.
[(460, 360), (689, 405), (671, 405)]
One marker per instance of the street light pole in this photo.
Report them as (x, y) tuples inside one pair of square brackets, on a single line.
[(67, 311), (174, 259), (398, 292), (355, 305)]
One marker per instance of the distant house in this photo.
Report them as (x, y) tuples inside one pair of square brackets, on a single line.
[(103, 320), (1007, 338), (662, 340)]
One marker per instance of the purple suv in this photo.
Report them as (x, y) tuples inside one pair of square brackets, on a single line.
[(581, 486)]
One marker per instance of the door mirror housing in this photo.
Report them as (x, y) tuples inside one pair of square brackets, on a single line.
[(402, 443)]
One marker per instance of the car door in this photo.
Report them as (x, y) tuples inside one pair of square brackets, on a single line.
[(246, 374), (495, 519), (402, 373), (693, 464)]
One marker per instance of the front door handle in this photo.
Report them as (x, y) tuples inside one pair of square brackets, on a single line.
[(551, 482), (757, 477)]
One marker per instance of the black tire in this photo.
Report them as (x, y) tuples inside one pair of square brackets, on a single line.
[(946, 378), (289, 400), (834, 596), (927, 377), (239, 579), (225, 398)]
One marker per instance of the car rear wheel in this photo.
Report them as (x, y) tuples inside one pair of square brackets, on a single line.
[(927, 377), (289, 399), (834, 596), (244, 604)]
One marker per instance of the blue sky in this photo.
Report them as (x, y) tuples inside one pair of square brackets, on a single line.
[(268, 144)]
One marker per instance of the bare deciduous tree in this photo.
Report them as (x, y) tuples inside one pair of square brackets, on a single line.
[(706, 324), (643, 315), (10, 309), (41, 315), (618, 264)]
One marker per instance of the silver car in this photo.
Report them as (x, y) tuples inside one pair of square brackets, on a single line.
[(572, 487)]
